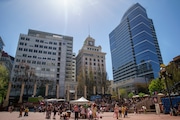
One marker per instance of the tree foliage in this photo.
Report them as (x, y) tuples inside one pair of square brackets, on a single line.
[(156, 85), (173, 74), (4, 77), (123, 93), (130, 95), (81, 83), (141, 94)]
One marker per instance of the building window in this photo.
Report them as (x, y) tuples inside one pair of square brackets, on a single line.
[(34, 56), (27, 39), (28, 61), (17, 60), (23, 61), (20, 49), (41, 41), (25, 49), (21, 43), (33, 62), (35, 45), (35, 51), (30, 50), (22, 38)]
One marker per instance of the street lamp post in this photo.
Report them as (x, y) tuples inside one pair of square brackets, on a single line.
[(164, 74)]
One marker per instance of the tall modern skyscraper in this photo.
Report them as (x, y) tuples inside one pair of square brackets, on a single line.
[(43, 61), (134, 47)]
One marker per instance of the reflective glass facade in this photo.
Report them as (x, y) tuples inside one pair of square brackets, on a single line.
[(134, 47)]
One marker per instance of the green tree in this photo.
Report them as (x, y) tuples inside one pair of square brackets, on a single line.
[(81, 83), (156, 85), (141, 94), (114, 95), (123, 93), (41, 90), (173, 74), (90, 82), (130, 95), (4, 77)]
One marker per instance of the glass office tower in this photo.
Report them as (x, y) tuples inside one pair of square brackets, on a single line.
[(134, 47)]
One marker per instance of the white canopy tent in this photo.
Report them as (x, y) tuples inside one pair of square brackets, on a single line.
[(81, 100), (54, 100)]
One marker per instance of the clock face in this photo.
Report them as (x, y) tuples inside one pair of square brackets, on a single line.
[(90, 43)]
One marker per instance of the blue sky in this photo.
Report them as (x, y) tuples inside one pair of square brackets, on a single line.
[(79, 18)]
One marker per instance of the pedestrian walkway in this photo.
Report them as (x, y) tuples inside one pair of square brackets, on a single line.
[(105, 116)]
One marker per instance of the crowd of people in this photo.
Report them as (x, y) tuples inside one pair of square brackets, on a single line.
[(91, 111)]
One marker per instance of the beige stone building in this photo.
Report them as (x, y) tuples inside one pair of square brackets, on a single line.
[(91, 68)]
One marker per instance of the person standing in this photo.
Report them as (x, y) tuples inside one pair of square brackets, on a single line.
[(123, 110), (94, 110), (26, 111), (48, 112), (89, 114), (55, 109), (120, 111), (21, 109), (126, 111), (76, 111), (60, 111), (116, 111)]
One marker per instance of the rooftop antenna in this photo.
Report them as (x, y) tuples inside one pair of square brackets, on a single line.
[(89, 30)]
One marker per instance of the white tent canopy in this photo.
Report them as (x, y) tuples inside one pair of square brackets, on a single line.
[(81, 100), (55, 100)]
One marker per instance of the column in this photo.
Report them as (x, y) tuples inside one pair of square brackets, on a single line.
[(68, 92), (118, 94), (75, 97), (103, 90), (7, 95), (57, 90), (22, 92), (35, 87), (85, 95), (94, 90), (47, 87)]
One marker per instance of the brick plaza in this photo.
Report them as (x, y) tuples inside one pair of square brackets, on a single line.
[(105, 116)]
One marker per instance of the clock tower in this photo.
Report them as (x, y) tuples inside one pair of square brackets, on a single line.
[(89, 41)]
